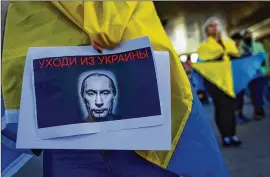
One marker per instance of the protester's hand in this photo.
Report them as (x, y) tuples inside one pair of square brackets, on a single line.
[(96, 46)]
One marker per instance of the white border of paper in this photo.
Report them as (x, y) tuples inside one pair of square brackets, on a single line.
[(148, 138), (95, 127)]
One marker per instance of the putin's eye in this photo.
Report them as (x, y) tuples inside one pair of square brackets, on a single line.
[(90, 93), (105, 93)]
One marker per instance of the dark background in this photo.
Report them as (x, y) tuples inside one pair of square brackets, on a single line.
[(56, 90)]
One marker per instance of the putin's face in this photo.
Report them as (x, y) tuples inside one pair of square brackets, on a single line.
[(98, 96)]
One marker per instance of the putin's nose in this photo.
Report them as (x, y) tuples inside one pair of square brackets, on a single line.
[(98, 101)]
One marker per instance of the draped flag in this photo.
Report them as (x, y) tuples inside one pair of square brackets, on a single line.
[(246, 69), (109, 23), (232, 76), (12, 160), (197, 80)]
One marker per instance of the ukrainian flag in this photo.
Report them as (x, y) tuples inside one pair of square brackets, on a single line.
[(194, 148), (230, 76), (12, 160)]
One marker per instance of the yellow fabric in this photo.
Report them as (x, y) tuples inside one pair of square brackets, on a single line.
[(211, 49), (219, 73), (107, 23), (32, 24)]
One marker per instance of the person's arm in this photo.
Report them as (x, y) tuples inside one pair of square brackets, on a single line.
[(233, 51)]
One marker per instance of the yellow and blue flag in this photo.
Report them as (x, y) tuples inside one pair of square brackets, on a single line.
[(12, 160), (194, 148), (230, 76)]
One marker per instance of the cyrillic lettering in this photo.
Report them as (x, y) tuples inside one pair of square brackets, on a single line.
[(146, 51), (48, 63), (41, 63), (121, 58), (114, 58), (74, 61), (101, 59), (107, 59), (143, 55), (135, 55), (84, 61), (91, 60), (127, 56), (54, 63), (65, 62)]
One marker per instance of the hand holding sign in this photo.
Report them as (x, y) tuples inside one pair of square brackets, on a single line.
[(96, 46)]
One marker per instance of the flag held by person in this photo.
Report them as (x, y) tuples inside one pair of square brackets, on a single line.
[(230, 76)]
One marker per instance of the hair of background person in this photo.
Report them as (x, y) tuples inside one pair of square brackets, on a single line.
[(220, 25), (236, 36)]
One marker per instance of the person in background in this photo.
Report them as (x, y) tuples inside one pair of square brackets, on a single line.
[(238, 38), (187, 66), (202, 94), (218, 48), (250, 46)]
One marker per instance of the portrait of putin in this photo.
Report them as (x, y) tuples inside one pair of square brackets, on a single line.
[(98, 92)]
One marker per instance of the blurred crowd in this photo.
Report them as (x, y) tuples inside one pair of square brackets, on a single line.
[(218, 47)]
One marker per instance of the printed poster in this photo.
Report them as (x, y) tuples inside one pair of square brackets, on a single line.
[(145, 138), (82, 94)]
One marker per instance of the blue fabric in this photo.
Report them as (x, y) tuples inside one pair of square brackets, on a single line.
[(198, 154), (11, 159), (11, 130), (90, 163), (8, 156), (246, 69), (197, 80)]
